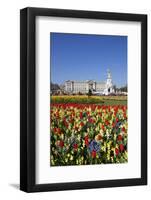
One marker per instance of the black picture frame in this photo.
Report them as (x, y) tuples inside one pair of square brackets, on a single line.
[(28, 99)]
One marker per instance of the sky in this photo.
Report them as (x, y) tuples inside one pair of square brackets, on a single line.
[(88, 57)]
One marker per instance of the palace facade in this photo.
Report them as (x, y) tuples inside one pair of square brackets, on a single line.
[(104, 88)]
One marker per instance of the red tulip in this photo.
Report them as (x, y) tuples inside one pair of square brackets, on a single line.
[(93, 154), (81, 115), (113, 124), (61, 143), (123, 129), (107, 123), (82, 124), (57, 130), (91, 120), (86, 140), (75, 146), (119, 138), (116, 151), (125, 115), (121, 147), (86, 137)]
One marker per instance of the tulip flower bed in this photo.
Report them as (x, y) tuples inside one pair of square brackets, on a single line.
[(83, 134), (83, 99)]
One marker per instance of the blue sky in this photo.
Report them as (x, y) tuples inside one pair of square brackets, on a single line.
[(87, 57)]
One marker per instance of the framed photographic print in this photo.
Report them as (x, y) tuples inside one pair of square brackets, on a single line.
[(83, 99)]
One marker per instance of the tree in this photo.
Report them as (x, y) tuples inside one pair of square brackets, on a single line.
[(54, 87), (114, 88), (90, 92), (124, 89)]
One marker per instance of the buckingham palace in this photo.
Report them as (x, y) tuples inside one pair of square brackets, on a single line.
[(103, 87)]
